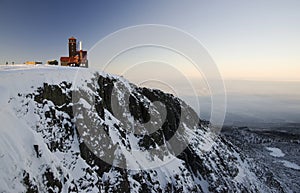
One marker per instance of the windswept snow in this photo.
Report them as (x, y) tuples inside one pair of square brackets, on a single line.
[(275, 152), (291, 165)]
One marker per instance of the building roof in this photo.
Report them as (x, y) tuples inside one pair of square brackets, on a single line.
[(83, 51), (72, 38), (69, 59), (64, 59)]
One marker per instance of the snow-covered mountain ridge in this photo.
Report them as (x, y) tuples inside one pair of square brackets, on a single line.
[(70, 130)]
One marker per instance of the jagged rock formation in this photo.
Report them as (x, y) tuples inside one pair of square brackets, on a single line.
[(89, 140)]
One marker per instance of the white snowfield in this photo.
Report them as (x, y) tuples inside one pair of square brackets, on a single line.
[(291, 165), (275, 152), (16, 139), (16, 135)]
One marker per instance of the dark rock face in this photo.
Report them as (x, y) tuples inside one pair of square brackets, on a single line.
[(59, 97), (30, 187), (63, 116), (50, 183)]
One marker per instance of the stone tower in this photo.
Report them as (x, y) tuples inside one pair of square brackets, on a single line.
[(72, 47)]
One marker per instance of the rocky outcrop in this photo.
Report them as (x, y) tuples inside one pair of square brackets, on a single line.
[(92, 129)]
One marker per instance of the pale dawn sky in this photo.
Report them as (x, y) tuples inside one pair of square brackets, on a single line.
[(256, 40)]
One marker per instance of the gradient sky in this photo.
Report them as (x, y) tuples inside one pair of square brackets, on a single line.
[(247, 39)]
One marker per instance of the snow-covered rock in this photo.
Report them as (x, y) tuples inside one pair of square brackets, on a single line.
[(77, 130)]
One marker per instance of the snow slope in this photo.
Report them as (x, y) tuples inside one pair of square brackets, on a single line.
[(70, 130)]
